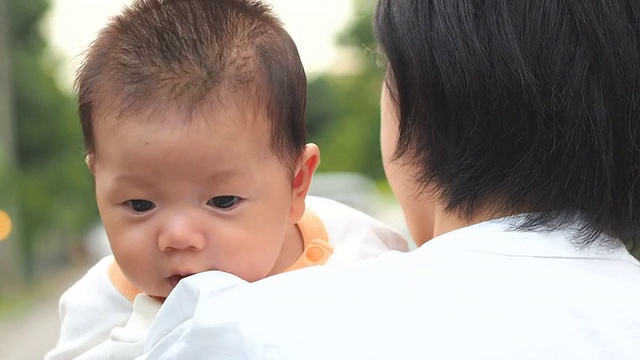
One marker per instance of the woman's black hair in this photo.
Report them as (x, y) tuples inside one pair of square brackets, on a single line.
[(528, 106)]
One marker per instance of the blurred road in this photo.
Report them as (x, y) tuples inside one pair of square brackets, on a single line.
[(30, 332)]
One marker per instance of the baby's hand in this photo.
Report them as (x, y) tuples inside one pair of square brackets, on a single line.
[(128, 342)]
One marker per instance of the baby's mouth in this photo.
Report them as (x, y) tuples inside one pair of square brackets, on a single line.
[(173, 280)]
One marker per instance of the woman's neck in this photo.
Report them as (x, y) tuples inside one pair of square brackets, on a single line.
[(446, 221)]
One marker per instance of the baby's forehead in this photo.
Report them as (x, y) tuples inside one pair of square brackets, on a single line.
[(248, 110), (246, 105), (229, 116)]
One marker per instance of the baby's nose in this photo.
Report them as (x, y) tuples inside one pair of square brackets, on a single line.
[(181, 234)]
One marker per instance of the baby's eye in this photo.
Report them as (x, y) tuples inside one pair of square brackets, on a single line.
[(140, 205), (223, 202)]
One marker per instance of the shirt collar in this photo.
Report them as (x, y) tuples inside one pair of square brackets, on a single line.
[(499, 236)]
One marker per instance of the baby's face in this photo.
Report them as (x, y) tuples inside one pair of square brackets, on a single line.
[(181, 199)]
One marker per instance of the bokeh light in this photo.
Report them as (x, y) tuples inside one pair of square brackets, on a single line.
[(5, 225)]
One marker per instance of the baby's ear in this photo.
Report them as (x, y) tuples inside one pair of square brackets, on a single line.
[(307, 165), (90, 161)]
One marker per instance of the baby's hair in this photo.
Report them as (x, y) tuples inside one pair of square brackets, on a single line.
[(524, 105), (176, 53)]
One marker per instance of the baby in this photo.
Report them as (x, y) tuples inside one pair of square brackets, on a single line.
[(193, 114)]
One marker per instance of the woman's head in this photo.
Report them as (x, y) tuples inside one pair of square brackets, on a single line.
[(515, 106)]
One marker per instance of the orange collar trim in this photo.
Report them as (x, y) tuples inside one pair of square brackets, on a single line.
[(120, 282), (317, 251)]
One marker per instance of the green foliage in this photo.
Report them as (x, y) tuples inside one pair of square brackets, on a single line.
[(6, 179), (349, 135), (56, 190), (344, 110)]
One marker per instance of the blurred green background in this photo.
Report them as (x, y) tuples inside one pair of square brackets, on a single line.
[(44, 185)]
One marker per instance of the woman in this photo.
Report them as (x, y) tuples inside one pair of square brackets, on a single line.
[(519, 121)]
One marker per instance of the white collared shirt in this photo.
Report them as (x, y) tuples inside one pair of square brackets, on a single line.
[(481, 292), (100, 322)]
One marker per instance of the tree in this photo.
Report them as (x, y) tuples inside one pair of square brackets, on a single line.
[(54, 187), (9, 267), (343, 111)]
